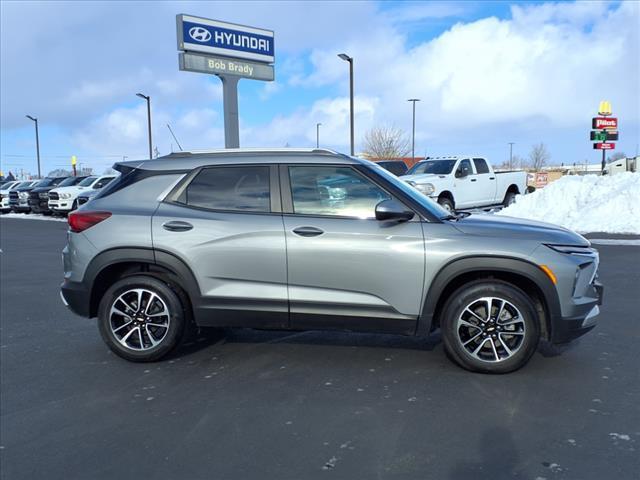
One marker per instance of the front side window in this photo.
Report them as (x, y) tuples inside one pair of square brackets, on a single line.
[(244, 189), (464, 169), (334, 191)]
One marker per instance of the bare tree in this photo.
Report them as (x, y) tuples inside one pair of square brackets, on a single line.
[(59, 172), (386, 142), (538, 156)]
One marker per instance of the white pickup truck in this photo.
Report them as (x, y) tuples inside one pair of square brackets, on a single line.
[(465, 182)]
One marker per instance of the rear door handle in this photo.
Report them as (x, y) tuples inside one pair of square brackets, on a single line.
[(177, 226), (492, 178), (308, 231), (474, 179)]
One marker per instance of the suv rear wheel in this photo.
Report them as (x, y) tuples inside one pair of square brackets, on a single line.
[(141, 318), (490, 326)]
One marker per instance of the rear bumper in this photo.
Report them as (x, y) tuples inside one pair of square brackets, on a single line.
[(565, 329), (75, 295)]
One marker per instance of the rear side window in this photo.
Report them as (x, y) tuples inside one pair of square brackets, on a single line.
[(481, 165), (242, 188)]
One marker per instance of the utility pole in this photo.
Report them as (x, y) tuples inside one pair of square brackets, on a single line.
[(349, 59), (148, 99), (511, 155), (413, 135), (37, 142), (318, 135)]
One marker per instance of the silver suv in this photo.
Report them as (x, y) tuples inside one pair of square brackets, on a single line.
[(312, 239)]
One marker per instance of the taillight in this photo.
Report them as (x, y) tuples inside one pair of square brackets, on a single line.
[(80, 221)]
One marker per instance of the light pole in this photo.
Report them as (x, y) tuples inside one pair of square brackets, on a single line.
[(37, 141), (318, 135), (511, 155), (148, 99), (349, 59), (413, 135)]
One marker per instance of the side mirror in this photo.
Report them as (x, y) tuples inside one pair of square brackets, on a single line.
[(393, 210), (462, 172)]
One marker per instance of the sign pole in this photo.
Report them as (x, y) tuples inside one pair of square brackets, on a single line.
[(230, 108), (603, 161)]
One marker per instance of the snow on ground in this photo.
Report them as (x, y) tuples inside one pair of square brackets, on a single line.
[(589, 203), (32, 216)]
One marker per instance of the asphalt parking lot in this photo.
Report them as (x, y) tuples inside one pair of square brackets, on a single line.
[(255, 404)]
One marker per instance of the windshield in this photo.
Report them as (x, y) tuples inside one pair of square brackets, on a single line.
[(22, 184), (87, 181), (68, 182), (419, 197), (45, 182), (436, 167)]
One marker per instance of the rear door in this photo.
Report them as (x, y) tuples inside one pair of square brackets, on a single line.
[(225, 224), (346, 269), (486, 182)]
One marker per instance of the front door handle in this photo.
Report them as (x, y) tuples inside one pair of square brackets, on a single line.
[(474, 179), (177, 226), (308, 231)]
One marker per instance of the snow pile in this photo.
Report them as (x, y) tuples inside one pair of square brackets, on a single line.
[(32, 217), (589, 203)]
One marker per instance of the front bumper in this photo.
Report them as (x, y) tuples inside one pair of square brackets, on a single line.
[(75, 295), (565, 329), (40, 206), (60, 205)]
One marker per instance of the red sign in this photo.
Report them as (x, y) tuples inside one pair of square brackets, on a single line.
[(542, 178), (604, 146), (604, 123)]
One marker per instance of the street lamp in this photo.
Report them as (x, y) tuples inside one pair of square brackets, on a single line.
[(413, 135), (349, 59), (148, 99), (318, 135), (511, 155), (37, 141)]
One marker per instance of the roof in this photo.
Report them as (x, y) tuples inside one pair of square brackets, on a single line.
[(197, 158)]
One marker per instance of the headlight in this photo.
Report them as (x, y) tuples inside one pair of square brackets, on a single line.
[(426, 188), (411, 182), (23, 195), (574, 250), (65, 195)]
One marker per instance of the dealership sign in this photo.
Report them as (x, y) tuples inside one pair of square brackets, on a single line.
[(604, 123), (214, 37), (191, 62)]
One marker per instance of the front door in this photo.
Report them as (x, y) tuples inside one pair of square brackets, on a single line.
[(347, 270)]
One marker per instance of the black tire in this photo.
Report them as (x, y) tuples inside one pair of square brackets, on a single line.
[(178, 317), (523, 344), (446, 203), (509, 199)]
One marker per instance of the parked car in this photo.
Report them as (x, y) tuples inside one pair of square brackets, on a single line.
[(19, 196), (245, 238), (397, 167), (39, 195), (465, 182), (86, 197), (63, 199), (6, 188)]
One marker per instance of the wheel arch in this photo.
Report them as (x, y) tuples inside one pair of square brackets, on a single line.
[(519, 272), (111, 265)]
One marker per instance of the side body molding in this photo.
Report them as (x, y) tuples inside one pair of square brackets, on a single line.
[(486, 265)]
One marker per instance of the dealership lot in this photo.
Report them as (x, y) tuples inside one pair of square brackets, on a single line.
[(255, 404)]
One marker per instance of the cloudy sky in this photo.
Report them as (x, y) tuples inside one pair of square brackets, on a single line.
[(486, 73)]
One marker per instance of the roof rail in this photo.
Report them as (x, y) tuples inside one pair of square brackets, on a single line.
[(253, 150)]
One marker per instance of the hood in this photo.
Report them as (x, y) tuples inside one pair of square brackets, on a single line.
[(489, 225), (69, 189), (422, 178)]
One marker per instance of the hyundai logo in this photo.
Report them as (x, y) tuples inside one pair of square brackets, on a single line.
[(200, 34)]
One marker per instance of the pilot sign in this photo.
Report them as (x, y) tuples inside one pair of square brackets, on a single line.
[(214, 37)]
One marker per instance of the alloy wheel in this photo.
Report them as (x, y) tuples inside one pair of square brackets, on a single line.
[(491, 329), (139, 319)]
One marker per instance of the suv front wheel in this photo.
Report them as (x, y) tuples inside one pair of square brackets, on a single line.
[(141, 318), (490, 326)]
